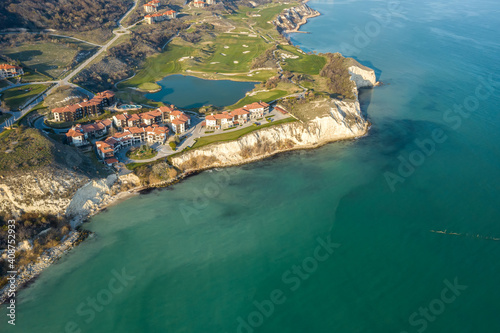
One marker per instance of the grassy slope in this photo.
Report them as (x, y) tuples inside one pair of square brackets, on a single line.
[(15, 97), (47, 58), (306, 63), (166, 63), (24, 149), (266, 96)]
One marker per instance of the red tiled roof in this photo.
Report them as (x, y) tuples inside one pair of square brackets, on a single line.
[(255, 105), (122, 116), (239, 112), (178, 122), (210, 117), (111, 160), (106, 122), (74, 134), (223, 115), (7, 66)]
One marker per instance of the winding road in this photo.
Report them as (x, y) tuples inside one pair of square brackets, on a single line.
[(120, 31)]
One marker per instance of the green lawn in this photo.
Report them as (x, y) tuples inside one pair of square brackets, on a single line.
[(46, 58), (15, 97), (268, 14), (157, 67), (236, 134), (141, 153), (231, 54), (306, 63), (266, 96), (133, 165)]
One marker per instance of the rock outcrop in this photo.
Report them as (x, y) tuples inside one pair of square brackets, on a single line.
[(364, 77), (88, 199), (45, 191), (291, 19)]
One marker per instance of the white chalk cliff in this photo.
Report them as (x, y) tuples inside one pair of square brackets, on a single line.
[(345, 121)]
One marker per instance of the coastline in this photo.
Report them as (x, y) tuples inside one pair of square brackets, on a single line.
[(75, 237), (301, 23)]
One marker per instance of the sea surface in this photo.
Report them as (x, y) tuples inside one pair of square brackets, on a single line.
[(336, 239), (192, 92)]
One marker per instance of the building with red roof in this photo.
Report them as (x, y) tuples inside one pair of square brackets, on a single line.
[(179, 121), (7, 71), (199, 4), (86, 108)]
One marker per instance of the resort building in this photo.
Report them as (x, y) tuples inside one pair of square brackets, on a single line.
[(179, 121), (199, 4), (240, 116), (79, 134), (7, 71), (210, 2), (86, 108), (142, 119), (107, 148), (149, 8), (152, 6), (76, 137), (158, 17), (257, 109), (218, 121)]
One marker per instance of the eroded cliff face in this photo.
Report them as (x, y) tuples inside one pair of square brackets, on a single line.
[(45, 191), (362, 76), (344, 122), (292, 18)]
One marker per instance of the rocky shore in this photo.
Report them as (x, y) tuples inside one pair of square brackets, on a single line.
[(291, 19), (50, 256)]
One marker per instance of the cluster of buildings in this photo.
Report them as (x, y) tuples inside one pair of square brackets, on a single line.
[(154, 16), (92, 107), (7, 71), (177, 120), (107, 148), (152, 126), (152, 6), (236, 117), (148, 127), (158, 17)]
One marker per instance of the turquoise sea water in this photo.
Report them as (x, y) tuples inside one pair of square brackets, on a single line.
[(192, 92), (217, 249)]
